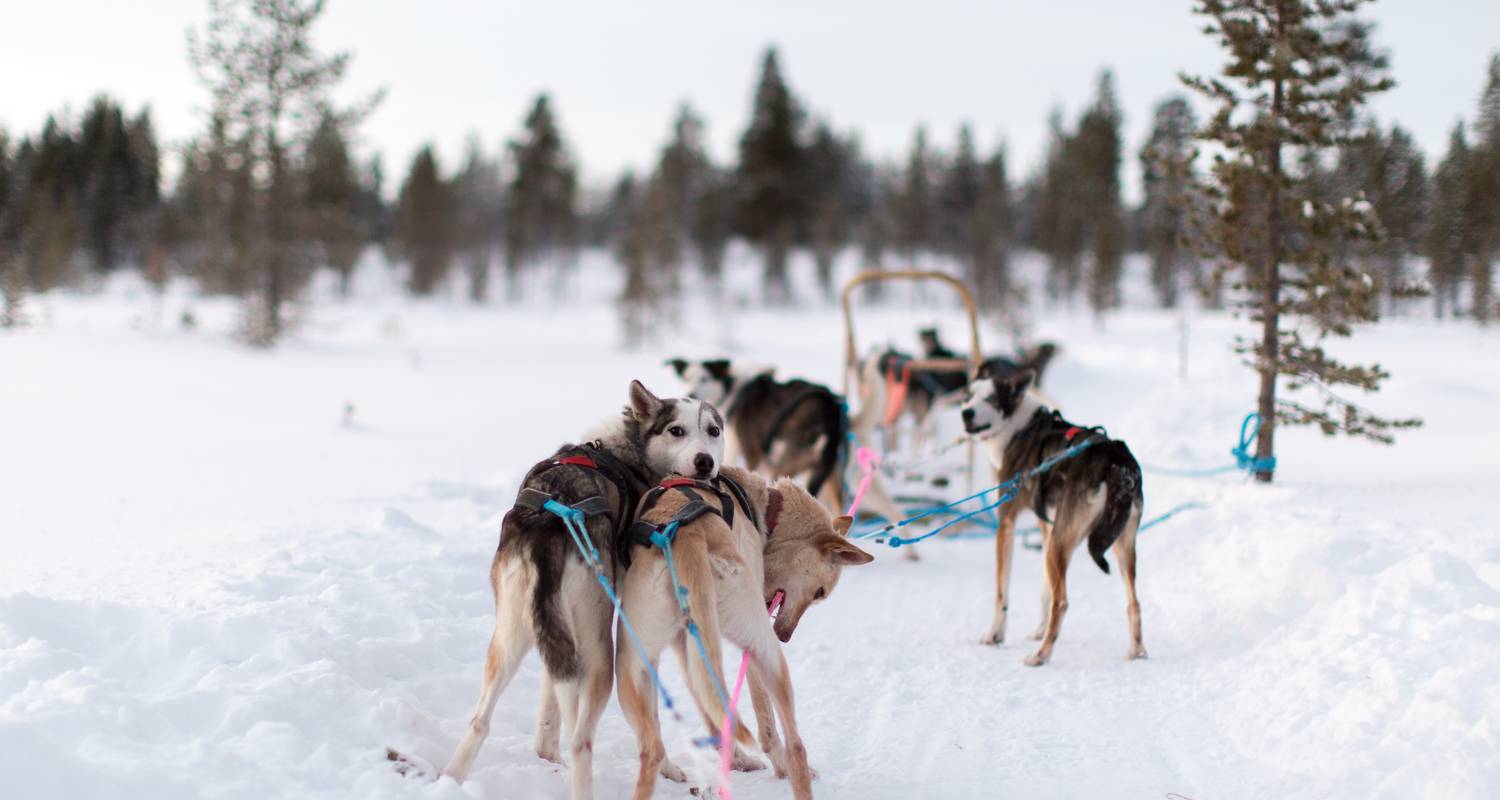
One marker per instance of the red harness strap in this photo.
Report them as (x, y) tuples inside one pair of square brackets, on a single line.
[(672, 483), (579, 461), (1071, 432)]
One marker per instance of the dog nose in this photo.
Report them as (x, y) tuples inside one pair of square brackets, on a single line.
[(968, 415), (704, 463)]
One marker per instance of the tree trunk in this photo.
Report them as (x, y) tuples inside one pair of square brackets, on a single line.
[(1270, 302), (1483, 287)]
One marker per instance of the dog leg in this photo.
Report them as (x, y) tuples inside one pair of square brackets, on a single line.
[(1055, 557), (765, 722), (772, 669), (1046, 604), (548, 723), (1005, 534), (510, 641), (593, 698), (1125, 556)]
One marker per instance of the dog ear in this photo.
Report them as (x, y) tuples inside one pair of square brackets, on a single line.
[(1018, 383), (842, 524), (643, 404), (844, 553), (717, 368), (678, 365)]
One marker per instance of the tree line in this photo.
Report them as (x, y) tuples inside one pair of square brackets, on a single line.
[(271, 191)]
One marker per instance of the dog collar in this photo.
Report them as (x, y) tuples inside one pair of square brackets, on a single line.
[(773, 511)]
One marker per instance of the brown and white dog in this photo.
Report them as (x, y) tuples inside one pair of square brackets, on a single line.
[(786, 541), (1094, 496)]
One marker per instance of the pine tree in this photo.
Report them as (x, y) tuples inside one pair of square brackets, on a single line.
[(990, 235), (1447, 241), (1389, 172), (425, 223), (916, 205), (257, 59), (1097, 154), (12, 286), (770, 178), (331, 196), (1483, 203), (645, 248), (1291, 79), (713, 224), (829, 174), (49, 216), (958, 202), (541, 217), (1166, 175), (1060, 230), (479, 202)]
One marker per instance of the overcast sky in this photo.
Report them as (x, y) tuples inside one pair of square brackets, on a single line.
[(618, 69)]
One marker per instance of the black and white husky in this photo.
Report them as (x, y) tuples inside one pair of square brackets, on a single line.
[(784, 428), (1093, 496), (546, 596)]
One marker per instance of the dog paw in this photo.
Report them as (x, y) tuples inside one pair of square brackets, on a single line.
[(672, 772), (993, 638), (1136, 651), (744, 762), (548, 754), (1036, 635), (1036, 660)]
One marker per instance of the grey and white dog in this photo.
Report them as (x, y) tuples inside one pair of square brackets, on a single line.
[(547, 597), (1093, 496)]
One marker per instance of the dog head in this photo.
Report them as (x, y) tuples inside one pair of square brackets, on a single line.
[(709, 381), (677, 437), (997, 407), (805, 555)]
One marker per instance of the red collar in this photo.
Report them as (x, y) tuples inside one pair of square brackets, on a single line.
[(773, 511), (579, 461)]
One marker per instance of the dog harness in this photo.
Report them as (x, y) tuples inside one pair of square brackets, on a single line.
[(596, 459), (729, 492), (1054, 425)]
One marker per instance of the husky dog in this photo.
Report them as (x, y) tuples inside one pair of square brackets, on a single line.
[(783, 428), (733, 552), (545, 594), (1095, 495), (786, 428)]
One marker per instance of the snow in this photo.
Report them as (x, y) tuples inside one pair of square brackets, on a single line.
[(215, 587)]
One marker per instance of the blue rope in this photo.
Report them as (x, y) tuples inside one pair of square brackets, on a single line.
[(663, 539), (1249, 429), (573, 520), (1009, 488)]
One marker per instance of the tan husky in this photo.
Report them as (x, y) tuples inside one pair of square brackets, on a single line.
[(786, 541)]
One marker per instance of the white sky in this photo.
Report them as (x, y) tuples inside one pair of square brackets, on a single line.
[(618, 69)]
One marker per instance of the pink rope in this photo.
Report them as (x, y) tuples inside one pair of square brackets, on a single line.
[(726, 736), (868, 461)]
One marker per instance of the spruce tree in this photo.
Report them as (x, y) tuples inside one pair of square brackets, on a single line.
[(1447, 242), (478, 197), (770, 177), (1059, 226), (828, 176), (257, 59), (1097, 155), (425, 223), (958, 202), (331, 194), (1390, 173), (1166, 175), (1483, 203), (49, 213), (541, 216), (990, 235), (916, 203), (1291, 79), (12, 286)]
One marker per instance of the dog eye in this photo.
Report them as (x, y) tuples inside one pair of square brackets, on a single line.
[(820, 594), (713, 430), (677, 430)]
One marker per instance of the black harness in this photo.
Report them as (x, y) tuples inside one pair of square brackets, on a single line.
[(592, 456), (730, 493), (1052, 432)]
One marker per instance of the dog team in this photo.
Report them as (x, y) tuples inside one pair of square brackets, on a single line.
[(581, 535)]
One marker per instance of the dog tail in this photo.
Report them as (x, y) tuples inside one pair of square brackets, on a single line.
[(1122, 493), (696, 575)]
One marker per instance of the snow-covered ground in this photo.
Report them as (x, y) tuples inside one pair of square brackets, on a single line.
[(214, 584)]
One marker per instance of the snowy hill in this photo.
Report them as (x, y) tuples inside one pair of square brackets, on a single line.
[(232, 573)]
